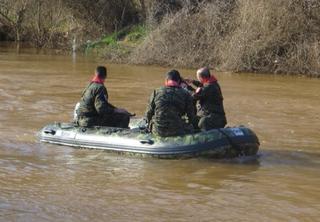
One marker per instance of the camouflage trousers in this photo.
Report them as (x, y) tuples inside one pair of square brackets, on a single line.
[(116, 120), (212, 121)]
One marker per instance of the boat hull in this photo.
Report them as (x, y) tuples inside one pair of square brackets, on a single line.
[(217, 143)]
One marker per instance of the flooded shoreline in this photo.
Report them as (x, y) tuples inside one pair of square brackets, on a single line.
[(41, 182)]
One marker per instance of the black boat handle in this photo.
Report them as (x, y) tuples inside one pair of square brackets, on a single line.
[(50, 131), (150, 142)]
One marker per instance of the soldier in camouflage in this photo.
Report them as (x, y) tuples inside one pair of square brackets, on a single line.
[(167, 107), (210, 110), (94, 108)]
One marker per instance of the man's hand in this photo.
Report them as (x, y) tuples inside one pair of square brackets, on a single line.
[(189, 81)]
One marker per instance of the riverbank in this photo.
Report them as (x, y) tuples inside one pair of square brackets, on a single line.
[(277, 36), (119, 46)]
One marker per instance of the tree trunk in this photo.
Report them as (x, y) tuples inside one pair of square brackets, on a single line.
[(18, 23), (143, 10), (18, 35)]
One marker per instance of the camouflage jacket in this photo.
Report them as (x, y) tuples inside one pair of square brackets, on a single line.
[(209, 97), (94, 101), (167, 106)]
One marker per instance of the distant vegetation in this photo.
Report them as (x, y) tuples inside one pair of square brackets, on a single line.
[(277, 36), (119, 45), (57, 23)]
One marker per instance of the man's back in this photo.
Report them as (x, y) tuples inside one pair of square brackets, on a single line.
[(94, 101), (94, 108), (166, 107)]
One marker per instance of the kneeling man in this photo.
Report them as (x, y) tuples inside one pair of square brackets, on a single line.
[(209, 99)]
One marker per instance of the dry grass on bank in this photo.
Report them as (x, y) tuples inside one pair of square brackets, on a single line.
[(277, 36)]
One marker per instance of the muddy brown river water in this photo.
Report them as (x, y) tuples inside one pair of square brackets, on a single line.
[(41, 182)]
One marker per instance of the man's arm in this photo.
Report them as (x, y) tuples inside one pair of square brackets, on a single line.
[(197, 83), (191, 112), (101, 103), (150, 107)]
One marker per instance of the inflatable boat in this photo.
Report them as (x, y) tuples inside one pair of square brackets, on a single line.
[(217, 143)]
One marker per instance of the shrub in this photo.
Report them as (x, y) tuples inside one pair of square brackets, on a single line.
[(277, 36)]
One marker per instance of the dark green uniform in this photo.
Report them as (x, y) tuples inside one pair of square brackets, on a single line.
[(165, 111), (95, 110), (210, 110)]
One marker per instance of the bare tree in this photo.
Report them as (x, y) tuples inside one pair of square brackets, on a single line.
[(12, 14)]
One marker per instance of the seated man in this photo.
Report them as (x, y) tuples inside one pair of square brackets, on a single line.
[(168, 105), (210, 108), (94, 108)]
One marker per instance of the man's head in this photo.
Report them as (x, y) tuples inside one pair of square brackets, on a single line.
[(173, 75), (203, 73), (101, 72)]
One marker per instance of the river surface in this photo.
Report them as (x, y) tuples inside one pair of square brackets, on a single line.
[(41, 182)]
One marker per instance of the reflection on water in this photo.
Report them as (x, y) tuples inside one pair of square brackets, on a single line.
[(41, 182)]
